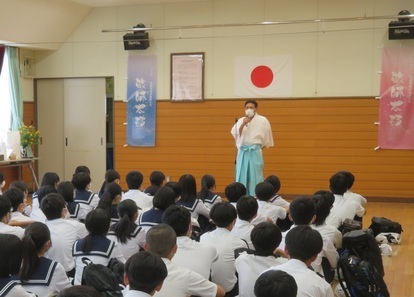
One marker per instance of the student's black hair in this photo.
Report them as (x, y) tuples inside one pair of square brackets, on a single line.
[(264, 191), (274, 181), (161, 240), (234, 191), (50, 179), (207, 182), (151, 190), (275, 283), (134, 180), (11, 255), (97, 223), (247, 207), (79, 291), (52, 205), (251, 101), (266, 237), (83, 168), (35, 237), (178, 217), (164, 198), (5, 207), (15, 196), (18, 184), (329, 197), (303, 242), (223, 214), (44, 191), (188, 186), (157, 178), (302, 210), (66, 189), (349, 177), (111, 175), (1, 177), (145, 271), (81, 180), (112, 190), (322, 209), (175, 187), (338, 183), (124, 228)]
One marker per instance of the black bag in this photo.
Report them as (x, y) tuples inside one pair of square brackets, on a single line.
[(384, 225), (349, 225), (102, 278), (360, 277)]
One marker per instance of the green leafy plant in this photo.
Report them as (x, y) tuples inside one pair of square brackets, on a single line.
[(28, 136)]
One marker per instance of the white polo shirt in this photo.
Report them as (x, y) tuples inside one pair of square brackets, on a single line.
[(63, 234), (331, 233), (133, 293), (279, 201), (249, 267), (182, 282), (224, 269), (195, 256), (355, 197), (15, 230), (38, 215), (132, 245), (143, 200), (346, 209), (242, 230), (19, 217), (272, 211), (308, 282)]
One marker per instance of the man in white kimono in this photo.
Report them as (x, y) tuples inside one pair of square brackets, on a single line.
[(251, 133)]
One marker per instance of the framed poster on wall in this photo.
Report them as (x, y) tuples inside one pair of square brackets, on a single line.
[(187, 77)]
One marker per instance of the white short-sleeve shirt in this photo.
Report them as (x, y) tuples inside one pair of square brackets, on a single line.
[(242, 229), (346, 209), (133, 245), (271, 211), (6, 229), (143, 200)]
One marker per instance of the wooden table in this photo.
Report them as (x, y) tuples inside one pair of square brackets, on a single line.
[(20, 163)]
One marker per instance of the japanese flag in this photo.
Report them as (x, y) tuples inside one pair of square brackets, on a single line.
[(263, 76)]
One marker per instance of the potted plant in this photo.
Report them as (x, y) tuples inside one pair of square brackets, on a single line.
[(28, 136)]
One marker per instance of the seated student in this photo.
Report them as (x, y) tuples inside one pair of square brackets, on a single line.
[(22, 186), (79, 291), (180, 282), (246, 211), (5, 215), (275, 283), (343, 208), (10, 262), (223, 270), (86, 199), (208, 185), (63, 232), (38, 274), (157, 179), (190, 254), (349, 194), (134, 181), (111, 176), (163, 199), (126, 233), (323, 208), (95, 246), (67, 190), (302, 212), (234, 191), (18, 202), (303, 244), (49, 179), (266, 238), (110, 199), (37, 214), (144, 274), (264, 192), (332, 219)]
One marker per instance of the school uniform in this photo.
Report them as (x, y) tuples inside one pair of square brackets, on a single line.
[(133, 293), (103, 250), (196, 208), (19, 217), (195, 256), (6, 229), (47, 278), (331, 233), (249, 267), (63, 234), (308, 282), (182, 282), (143, 200), (38, 216), (242, 229), (12, 288), (211, 199), (35, 201), (223, 270), (133, 244), (355, 197), (75, 211), (271, 211), (259, 219), (86, 199), (114, 214), (150, 218), (346, 209), (279, 201)]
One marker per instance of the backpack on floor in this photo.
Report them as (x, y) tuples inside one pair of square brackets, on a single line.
[(384, 225), (102, 278)]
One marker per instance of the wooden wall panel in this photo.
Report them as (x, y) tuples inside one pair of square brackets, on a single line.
[(314, 138)]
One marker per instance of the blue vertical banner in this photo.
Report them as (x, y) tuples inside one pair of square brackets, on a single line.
[(141, 100)]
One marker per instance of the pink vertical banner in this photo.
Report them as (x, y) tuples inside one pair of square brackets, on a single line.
[(396, 116)]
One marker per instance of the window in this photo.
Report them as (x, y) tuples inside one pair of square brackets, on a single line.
[(5, 108)]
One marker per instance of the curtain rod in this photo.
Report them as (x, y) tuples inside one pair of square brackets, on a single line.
[(285, 22)]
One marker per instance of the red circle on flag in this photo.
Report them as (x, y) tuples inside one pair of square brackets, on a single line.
[(261, 76)]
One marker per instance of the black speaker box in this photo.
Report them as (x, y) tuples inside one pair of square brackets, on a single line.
[(401, 30), (136, 41)]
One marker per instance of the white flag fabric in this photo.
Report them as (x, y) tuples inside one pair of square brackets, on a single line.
[(263, 76)]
